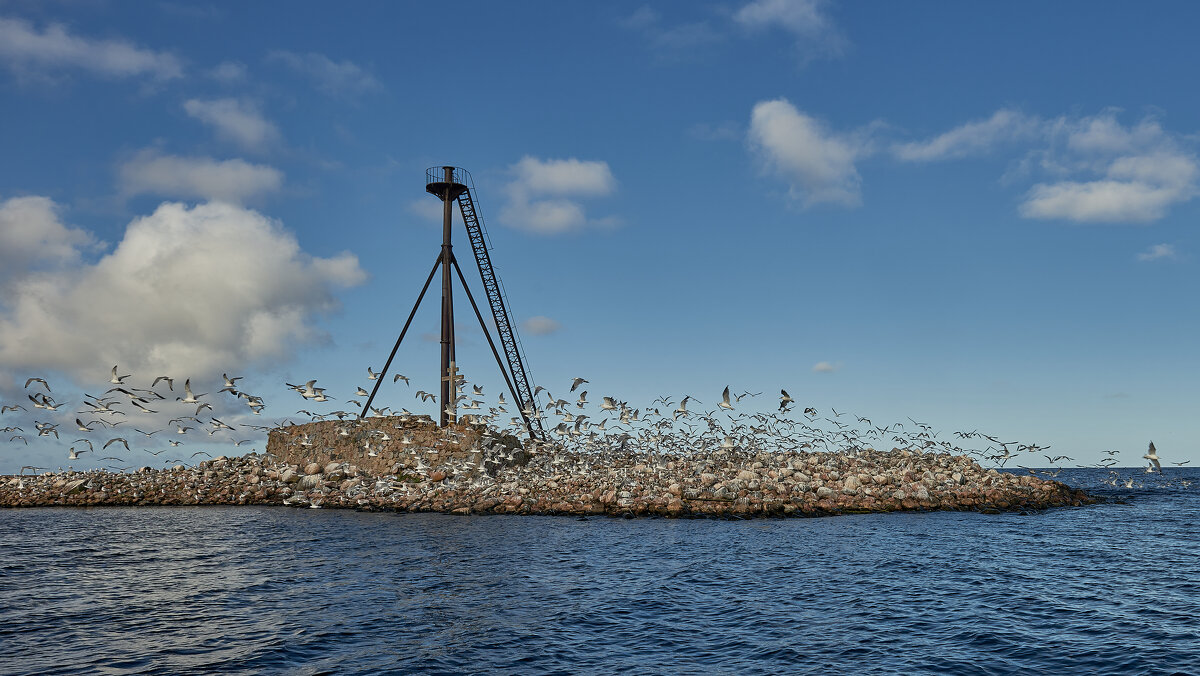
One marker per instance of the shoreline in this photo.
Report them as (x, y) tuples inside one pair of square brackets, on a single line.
[(769, 485)]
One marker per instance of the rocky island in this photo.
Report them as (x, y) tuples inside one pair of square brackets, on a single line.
[(386, 464)]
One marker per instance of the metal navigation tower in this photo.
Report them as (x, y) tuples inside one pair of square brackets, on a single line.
[(450, 185)]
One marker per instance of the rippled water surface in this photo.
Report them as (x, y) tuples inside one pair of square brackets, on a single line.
[(1113, 588)]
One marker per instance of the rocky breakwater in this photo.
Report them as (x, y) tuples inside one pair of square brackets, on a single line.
[(554, 481)]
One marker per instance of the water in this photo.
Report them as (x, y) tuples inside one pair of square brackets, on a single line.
[(1113, 588)]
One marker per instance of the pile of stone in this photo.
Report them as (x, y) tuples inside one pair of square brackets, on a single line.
[(554, 481)]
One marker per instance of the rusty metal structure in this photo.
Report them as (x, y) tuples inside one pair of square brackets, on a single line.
[(453, 185)]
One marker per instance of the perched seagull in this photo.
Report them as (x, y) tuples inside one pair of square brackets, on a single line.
[(1152, 456), (117, 380)]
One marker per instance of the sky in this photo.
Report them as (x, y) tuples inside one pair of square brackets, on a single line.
[(978, 216)]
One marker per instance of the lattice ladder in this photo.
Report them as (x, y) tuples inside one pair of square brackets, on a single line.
[(508, 339)]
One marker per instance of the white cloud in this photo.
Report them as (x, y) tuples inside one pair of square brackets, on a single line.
[(187, 291), (1158, 252), (228, 72), (1135, 188), (540, 326), (826, 367), (429, 210), (542, 197), (29, 52), (804, 19), (150, 172), (331, 77), (236, 121), (674, 38), (973, 138), (1104, 201), (1103, 171), (31, 235), (817, 164)]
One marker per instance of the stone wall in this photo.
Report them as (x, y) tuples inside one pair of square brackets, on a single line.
[(380, 445)]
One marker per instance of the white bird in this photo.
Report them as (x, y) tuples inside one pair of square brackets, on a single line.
[(110, 442), (371, 375), (724, 403), (169, 379), (1152, 456), (117, 380), (784, 399), (190, 398)]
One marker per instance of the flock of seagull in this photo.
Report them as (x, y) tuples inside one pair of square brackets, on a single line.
[(609, 425)]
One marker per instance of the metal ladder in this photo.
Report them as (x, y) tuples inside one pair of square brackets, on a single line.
[(508, 339)]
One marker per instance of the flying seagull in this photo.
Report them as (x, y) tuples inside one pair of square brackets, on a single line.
[(1152, 456), (116, 379)]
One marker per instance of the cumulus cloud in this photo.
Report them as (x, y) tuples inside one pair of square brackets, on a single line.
[(237, 121), (187, 290), (32, 236), (804, 19), (826, 367), (540, 326), (1100, 170), (1143, 171), (543, 196), (1158, 252), (335, 78), (28, 51), (150, 172), (973, 138), (817, 164)]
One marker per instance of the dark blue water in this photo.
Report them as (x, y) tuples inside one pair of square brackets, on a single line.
[(1113, 588)]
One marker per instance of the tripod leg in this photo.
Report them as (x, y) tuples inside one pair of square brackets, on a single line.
[(492, 344), (378, 381)]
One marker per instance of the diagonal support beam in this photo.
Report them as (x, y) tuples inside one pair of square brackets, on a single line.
[(378, 381), (496, 353)]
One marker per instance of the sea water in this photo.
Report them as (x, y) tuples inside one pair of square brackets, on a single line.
[(1110, 588)]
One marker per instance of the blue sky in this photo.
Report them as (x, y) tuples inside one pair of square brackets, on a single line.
[(980, 216)]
